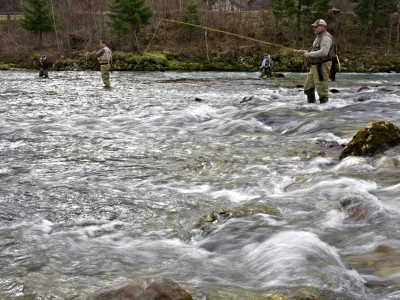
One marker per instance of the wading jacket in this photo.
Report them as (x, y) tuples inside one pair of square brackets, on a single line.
[(323, 48), (104, 55)]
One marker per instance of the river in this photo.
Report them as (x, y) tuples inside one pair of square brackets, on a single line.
[(104, 186)]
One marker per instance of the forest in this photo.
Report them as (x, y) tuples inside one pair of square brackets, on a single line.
[(70, 28)]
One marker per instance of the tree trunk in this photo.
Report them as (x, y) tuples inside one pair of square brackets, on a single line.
[(54, 23), (390, 38), (136, 41), (205, 32), (398, 31), (298, 23)]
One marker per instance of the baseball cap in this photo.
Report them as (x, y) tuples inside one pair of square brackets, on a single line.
[(319, 22)]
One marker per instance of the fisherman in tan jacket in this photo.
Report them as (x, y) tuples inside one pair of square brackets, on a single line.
[(320, 57), (104, 57)]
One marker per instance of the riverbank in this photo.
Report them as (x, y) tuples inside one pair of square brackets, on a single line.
[(244, 59)]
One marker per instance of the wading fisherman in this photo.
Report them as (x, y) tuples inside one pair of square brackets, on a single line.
[(320, 57), (104, 57), (44, 63), (266, 66)]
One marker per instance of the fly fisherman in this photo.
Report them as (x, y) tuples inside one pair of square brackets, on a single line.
[(104, 57), (44, 63), (320, 57), (266, 66)]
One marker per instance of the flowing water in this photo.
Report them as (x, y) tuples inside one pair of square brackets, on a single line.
[(100, 186)]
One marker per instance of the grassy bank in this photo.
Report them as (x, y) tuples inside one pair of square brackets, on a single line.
[(245, 59)]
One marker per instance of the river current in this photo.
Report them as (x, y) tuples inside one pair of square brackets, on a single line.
[(101, 186)]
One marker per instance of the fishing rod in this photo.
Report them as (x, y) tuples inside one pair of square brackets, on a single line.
[(211, 29), (216, 30)]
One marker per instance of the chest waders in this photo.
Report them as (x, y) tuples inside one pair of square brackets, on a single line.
[(318, 77)]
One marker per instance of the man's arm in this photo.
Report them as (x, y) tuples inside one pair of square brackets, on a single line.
[(100, 52)]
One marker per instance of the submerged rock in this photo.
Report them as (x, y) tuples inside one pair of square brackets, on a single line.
[(382, 265), (210, 221), (358, 209), (363, 98), (246, 99), (363, 88), (378, 136), (155, 289), (278, 75)]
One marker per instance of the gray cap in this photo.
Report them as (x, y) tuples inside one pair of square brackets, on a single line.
[(319, 22)]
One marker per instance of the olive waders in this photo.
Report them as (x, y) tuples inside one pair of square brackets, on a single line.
[(318, 80), (104, 57)]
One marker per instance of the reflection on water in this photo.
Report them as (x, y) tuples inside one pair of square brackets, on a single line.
[(104, 186)]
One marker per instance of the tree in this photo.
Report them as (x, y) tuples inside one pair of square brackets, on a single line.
[(37, 18), (309, 11), (128, 16), (303, 10), (283, 11), (375, 14), (191, 16)]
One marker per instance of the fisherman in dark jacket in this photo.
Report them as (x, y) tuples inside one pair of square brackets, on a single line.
[(320, 57), (44, 66)]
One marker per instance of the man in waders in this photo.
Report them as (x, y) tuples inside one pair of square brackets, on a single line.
[(266, 66), (44, 63), (104, 58), (320, 57)]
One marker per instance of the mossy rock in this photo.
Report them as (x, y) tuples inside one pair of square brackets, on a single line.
[(378, 136), (160, 288), (185, 65), (236, 294), (4, 67), (67, 64)]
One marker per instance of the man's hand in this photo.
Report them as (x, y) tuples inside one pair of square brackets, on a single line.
[(305, 53)]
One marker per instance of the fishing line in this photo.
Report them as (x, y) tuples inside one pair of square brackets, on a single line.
[(211, 29), (216, 30)]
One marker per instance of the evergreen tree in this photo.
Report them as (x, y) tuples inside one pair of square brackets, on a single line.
[(375, 14), (191, 16), (308, 11), (303, 10), (37, 18), (283, 11), (128, 16)]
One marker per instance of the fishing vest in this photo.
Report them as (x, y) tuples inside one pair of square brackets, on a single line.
[(317, 46), (106, 57)]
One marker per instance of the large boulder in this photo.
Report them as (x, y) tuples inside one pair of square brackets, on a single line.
[(155, 289), (378, 136)]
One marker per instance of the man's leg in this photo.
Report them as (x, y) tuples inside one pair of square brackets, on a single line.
[(41, 72), (105, 75), (268, 72), (309, 86), (322, 86), (262, 72), (46, 73)]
